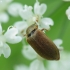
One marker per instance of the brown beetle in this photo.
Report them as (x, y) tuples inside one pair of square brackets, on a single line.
[(41, 43)]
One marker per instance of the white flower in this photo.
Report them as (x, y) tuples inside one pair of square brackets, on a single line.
[(62, 64), (36, 17), (11, 37), (4, 17), (26, 13), (21, 26), (14, 8), (39, 10), (29, 53), (68, 12), (3, 6), (58, 43), (5, 49), (21, 67), (37, 65)]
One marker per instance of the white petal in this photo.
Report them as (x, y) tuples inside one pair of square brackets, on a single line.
[(37, 65), (62, 64), (14, 8), (11, 36), (46, 22), (53, 65), (4, 17), (14, 40), (8, 1), (1, 48), (26, 12), (1, 44), (28, 52), (39, 9), (68, 12), (21, 67), (4, 4), (6, 50), (65, 56), (0, 29), (58, 42), (11, 31), (66, 0), (21, 26), (1, 51)]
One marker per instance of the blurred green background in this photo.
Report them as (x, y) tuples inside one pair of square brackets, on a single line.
[(56, 10)]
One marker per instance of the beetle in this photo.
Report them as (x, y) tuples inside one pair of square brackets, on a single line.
[(41, 43)]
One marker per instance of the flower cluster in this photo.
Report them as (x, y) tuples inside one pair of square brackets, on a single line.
[(30, 54), (37, 63), (14, 34), (3, 6), (10, 36), (9, 6), (31, 16), (62, 64)]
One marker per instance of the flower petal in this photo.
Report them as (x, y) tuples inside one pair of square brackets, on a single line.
[(66, 0), (53, 66), (28, 52), (39, 9), (21, 67), (11, 31), (21, 26), (1, 48), (4, 17), (14, 8), (46, 22), (1, 51), (11, 36), (8, 1), (68, 12), (14, 40), (62, 64), (6, 50), (37, 65), (58, 42), (0, 29), (26, 12), (4, 4)]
